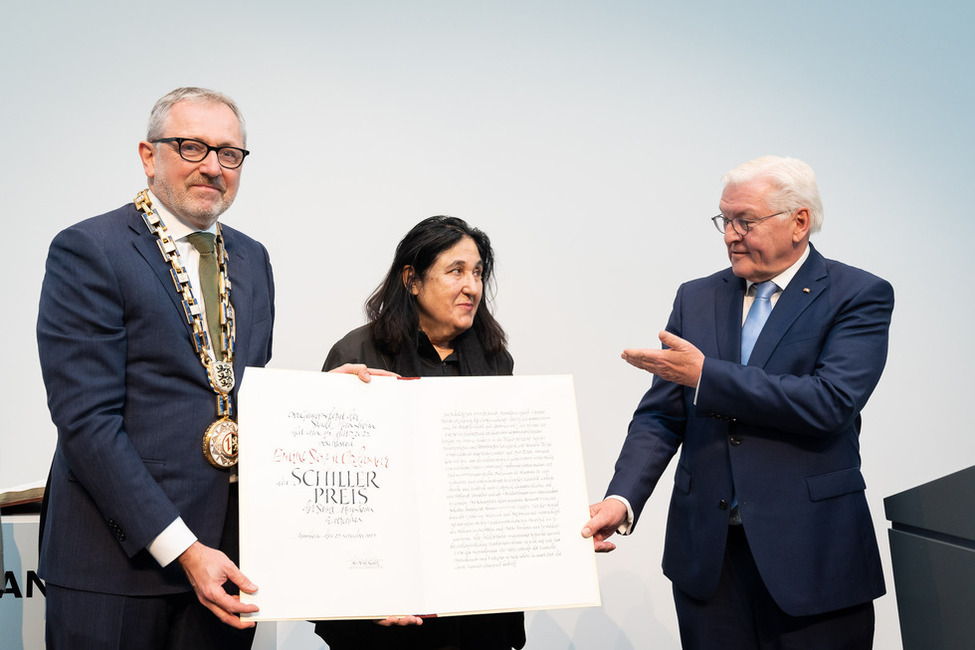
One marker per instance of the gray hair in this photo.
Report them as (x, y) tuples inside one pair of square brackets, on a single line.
[(793, 181), (160, 111)]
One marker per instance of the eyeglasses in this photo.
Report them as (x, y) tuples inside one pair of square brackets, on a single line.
[(192, 150), (741, 226)]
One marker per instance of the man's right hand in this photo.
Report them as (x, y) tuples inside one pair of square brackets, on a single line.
[(208, 569), (606, 517)]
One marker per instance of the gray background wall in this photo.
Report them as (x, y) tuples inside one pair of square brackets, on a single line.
[(587, 139)]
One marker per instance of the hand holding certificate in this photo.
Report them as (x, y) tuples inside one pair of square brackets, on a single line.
[(440, 495)]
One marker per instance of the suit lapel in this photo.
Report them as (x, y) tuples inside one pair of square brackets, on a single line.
[(241, 288), (728, 301), (806, 286), (147, 245)]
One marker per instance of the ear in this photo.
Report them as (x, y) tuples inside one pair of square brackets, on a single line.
[(147, 152), (802, 222), (410, 280)]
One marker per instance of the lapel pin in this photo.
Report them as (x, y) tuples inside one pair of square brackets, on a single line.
[(805, 289)]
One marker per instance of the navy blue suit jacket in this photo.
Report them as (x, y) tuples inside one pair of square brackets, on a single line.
[(781, 434), (131, 401)]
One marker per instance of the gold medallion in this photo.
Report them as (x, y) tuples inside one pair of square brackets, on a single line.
[(220, 443)]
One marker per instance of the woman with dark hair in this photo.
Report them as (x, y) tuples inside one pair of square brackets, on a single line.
[(428, 318)]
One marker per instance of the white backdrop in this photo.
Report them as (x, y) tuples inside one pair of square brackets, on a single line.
[(587, 139)]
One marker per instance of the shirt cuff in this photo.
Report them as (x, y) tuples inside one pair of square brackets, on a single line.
[(624, 528), (696, 388), (171, 543)]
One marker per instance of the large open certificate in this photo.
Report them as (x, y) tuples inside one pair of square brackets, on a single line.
[(441, 495)]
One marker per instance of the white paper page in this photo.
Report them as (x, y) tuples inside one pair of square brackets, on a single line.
[(464, 494), (513, 490), (326, 493)]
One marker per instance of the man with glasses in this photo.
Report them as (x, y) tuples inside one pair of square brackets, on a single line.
[(764, 370), (143, 339)]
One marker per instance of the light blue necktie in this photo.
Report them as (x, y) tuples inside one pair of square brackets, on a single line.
[(757, 315)]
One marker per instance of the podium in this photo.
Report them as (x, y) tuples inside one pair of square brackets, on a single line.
[(932, 547), (22, 591)]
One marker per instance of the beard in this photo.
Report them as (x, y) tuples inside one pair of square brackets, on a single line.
[(198, 212)]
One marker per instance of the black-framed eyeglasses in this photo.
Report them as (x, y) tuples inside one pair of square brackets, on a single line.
[(192, 150), (741, 226)]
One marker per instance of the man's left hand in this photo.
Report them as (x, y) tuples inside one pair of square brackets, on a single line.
[(207, 570), (365, 373), (680, 363)]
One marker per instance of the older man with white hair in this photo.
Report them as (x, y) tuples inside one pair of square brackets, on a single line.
[(764, 370)]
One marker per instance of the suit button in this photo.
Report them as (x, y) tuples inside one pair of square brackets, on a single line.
[(723, 504), (735, 441), (119, 535)]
